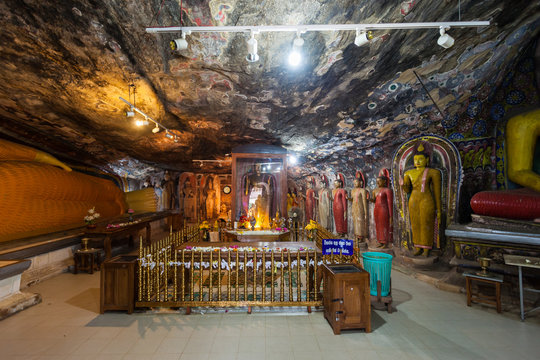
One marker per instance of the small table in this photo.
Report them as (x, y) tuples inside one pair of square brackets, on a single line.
[(490, 278), (86, 260), (523, 261), (129, 230)]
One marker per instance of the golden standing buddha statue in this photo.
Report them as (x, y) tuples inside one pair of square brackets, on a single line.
[(424, 185)]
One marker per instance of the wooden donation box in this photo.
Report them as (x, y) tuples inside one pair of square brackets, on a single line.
[(346, 297), (118, 283)]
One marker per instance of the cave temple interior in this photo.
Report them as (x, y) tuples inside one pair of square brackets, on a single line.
[(190, 179)]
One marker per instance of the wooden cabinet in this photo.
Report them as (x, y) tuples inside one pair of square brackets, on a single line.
[(346, 297), (118, 284)]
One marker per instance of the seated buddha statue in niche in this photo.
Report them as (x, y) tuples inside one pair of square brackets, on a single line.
[(259, 194)]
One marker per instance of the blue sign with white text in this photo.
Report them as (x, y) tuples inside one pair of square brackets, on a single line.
[(334, 246)]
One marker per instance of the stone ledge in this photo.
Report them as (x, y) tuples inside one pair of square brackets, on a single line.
[(439, 283), (389, 250), (17, 302), (11, 268), (420, 261)]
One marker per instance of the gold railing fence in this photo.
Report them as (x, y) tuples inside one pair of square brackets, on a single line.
[(172, 277), (186, 277)]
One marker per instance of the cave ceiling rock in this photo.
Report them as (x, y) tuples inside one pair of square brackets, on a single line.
[(64, 65)]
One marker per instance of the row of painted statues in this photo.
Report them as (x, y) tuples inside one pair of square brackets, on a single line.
[(422, 184), (333, 204)]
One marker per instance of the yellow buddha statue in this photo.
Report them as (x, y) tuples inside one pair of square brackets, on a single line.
[(522, 132), (424, 185)]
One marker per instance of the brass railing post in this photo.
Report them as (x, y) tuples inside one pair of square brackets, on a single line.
[(272, 269), (298, 280)]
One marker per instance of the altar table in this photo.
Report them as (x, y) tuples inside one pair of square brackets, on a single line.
[(251, 236), (129, 230)]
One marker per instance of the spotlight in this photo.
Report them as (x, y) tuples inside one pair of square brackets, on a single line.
[(445, 40), (295, 57), (179, 44), (169, 135), (362, 37), (130, 113), (141, 122), (292, 159), (252, 55), (156, 129)]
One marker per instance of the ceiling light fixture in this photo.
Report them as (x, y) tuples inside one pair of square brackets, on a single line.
[(362, 37), (180, 44), (445, 40), (147, 120), (295, 57), (142, 122), (252, 55), (130, 113)]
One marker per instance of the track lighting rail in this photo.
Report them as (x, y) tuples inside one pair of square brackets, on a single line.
[(306, 28)]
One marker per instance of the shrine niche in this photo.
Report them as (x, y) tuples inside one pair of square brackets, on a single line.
[(443, 158), (225, 189), (259, 178), (210, 196)]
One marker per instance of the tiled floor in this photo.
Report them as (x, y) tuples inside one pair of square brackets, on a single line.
[(429, 324)]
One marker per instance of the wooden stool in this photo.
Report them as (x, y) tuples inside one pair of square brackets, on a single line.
[(86, 260), (379, 302), (490, 278)]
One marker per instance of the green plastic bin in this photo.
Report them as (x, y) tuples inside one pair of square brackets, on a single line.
[(378, 265)]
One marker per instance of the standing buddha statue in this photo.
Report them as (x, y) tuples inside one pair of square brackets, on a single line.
[(325, 198), (359, 208), (424, 185), (383, 210), (339, 205)]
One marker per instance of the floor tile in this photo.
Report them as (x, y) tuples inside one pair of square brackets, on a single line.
[(251, 356), (91, 347), (226, 344), (194, 356), (253, 344), (428, 324), (172, 346)]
